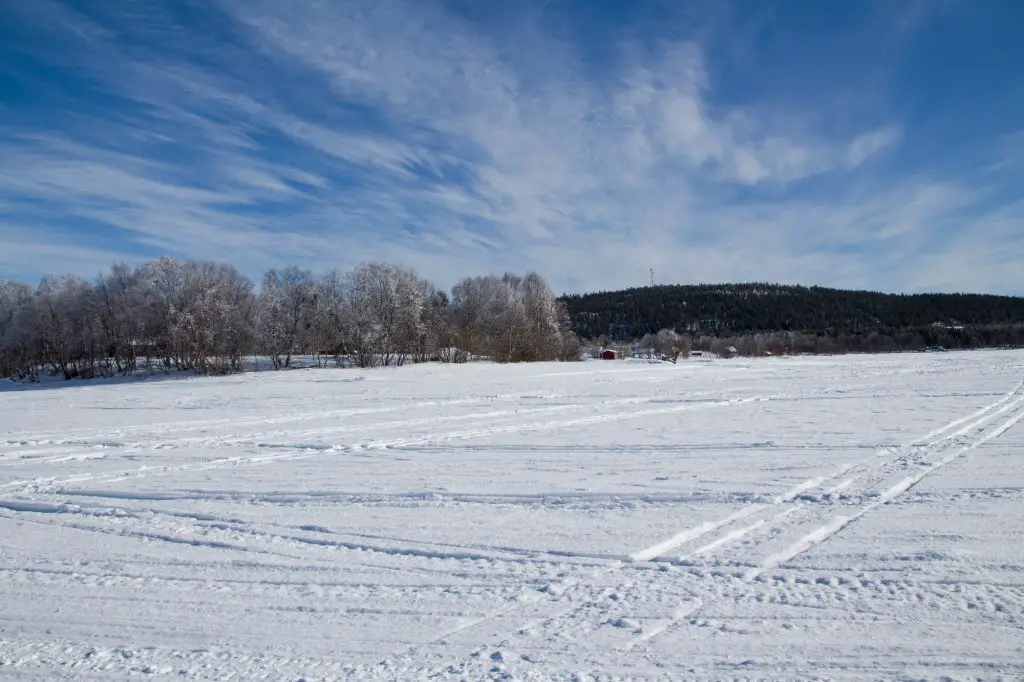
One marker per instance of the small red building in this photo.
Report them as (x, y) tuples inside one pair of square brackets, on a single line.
[(607, 355)]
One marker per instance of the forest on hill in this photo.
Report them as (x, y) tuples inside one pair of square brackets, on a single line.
[(206, 317), (785, 318)]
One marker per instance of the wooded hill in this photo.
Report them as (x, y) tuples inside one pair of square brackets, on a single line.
[(737, 310)]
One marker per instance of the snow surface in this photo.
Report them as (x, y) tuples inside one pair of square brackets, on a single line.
[(842, 518)]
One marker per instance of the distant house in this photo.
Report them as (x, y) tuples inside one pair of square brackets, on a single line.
[(608, 355)]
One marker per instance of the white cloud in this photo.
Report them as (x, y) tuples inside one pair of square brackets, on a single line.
[(464, 157), (866, 145)]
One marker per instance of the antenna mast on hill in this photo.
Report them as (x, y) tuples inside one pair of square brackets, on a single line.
[(652, 277)]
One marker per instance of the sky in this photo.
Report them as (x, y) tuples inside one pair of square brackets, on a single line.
[(865, 144)]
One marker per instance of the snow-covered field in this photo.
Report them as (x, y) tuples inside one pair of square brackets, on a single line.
[(843, 518)]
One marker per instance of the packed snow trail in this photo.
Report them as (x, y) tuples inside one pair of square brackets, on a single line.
[(835, 518), (647, 628)]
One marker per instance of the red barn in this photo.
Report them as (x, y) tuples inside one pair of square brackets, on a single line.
[(607, 355)]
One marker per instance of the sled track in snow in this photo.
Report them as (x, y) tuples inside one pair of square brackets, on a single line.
[(292, 451), (930, 453), (532, 536), (76, 438), (871, 483), (937, 455), (295, 451), (870, 470), (263, 440)]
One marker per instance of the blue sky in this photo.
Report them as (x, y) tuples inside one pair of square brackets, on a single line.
[(862, 144)]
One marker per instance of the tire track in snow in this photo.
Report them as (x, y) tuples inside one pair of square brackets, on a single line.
[(653, 628), (837, 524), (932, 443), (73, 450), (305, 451), (889, 467), (151, 430), (265, 533), (484, 417), (140, 535), (561, 586), (544, 426), (21, 505), (297, 448), (238, 439), (530, 427)]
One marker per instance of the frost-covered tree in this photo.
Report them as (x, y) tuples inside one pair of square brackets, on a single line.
[(161, 296), (671, 344), (196, 315), (384, 311), (570, 346), (221, 313), (286, 310), (511, 319), (544, 338), (468, 314), (412, 294), (66, 326), (120, 315), (19, 346), (509, 324), (327, 332), (436, 340), (206, 317)]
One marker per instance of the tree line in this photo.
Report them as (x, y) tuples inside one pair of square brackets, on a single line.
[(207, 318), (760, 318)]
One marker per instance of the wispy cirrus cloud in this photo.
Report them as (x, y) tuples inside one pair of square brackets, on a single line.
[(324, 134)]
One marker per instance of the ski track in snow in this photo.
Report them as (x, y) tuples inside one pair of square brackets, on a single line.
[(834, 518)]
